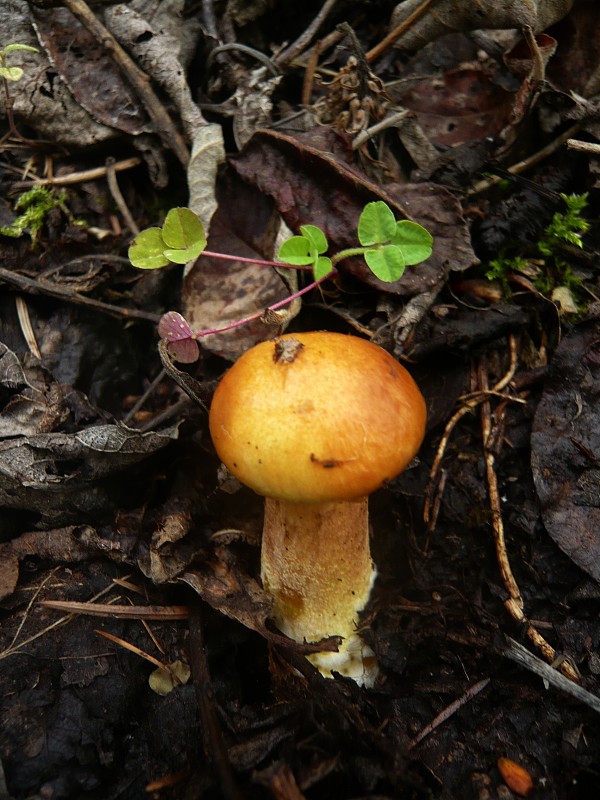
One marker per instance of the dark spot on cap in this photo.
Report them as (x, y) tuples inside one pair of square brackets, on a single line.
[(326, 463)]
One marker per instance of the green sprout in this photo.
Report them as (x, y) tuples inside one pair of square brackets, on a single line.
[(387, 245), (13, 73)]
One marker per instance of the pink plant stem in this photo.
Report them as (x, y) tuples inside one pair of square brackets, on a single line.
[(259, 314), (261, 262)]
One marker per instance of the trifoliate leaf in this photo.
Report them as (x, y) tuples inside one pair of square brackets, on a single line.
[(322, 268), (415, 242), (182, 229), (147, 250), (386, 263), (297, 251), (316, 237), (376, 224)]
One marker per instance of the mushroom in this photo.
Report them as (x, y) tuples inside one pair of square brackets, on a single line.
[(315, 422)]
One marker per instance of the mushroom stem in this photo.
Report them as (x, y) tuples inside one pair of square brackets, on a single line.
[(316, 563)]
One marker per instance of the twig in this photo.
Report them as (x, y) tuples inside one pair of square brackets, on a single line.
[(533, 159), (474, 399), (387, 122), (48, 289), (15, 648), (293, 50), (520, 655), (121, 612), (166, 130), (139, 652), (249, 51), (389, 40), (584, 147), (113, 185), (472, 692), (514, 604), (79, 177), (155, 383)]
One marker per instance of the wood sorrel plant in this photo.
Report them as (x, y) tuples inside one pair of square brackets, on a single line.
[(387, 245)]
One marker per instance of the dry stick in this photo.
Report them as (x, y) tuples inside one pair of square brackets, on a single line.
[(584, 147), (113, 185), (80, 177), (48, 289), (472, 692), (534, 159), (15, 648), (92, 609), (286, 56), (520, 655), (168, 133), (309, 74), (388, 122), (474, 399), (514, 604), (389, 40)]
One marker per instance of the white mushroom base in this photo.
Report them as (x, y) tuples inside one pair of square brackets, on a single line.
[(316, 563)]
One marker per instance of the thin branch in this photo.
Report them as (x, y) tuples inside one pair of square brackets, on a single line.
[(520, 655), (445, 715), (79, 177), (45, 288)]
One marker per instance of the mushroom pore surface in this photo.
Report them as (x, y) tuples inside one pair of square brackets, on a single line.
[(317, 417)]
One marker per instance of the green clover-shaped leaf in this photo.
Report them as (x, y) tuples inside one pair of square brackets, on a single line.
[(316, 237), (298, 251), (306, 250), (415, 242), (386, 263), (182, 229), (147, 250), (376, 224), (322, 268)]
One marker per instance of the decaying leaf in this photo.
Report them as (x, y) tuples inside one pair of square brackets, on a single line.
[(43, 101), (565, 448), (46, 469), (162, 42), (208, 152), (89, 71), (465, 15)]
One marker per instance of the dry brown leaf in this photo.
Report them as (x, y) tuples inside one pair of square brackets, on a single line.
[(468, 15)]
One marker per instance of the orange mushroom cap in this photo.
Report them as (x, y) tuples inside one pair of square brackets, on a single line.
[(317, 417)]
